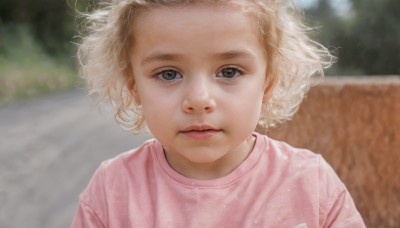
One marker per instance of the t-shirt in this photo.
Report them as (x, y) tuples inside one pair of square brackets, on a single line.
[(276, 186)]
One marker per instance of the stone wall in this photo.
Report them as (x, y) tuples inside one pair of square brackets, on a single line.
[(355, 124)]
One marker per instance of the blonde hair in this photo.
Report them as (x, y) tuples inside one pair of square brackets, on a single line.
[(293, 59)]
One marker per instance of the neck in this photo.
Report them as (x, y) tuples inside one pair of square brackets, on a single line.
[(217, 169)]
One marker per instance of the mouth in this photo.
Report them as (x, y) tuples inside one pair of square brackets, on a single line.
[(200, 128), (200, 132)]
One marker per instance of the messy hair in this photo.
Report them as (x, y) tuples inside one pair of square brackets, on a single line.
[(294, 61)]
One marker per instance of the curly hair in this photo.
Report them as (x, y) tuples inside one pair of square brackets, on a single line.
[(294, 60)]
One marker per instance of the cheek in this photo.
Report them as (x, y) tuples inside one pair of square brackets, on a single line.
[(158, 109), (246, 107), (154, 113), (153, 107)]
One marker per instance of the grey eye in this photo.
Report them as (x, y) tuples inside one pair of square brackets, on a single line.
[(169, 75), (229, 72)]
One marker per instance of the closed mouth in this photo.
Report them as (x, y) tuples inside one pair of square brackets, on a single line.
[(202, 132), (199, 128)]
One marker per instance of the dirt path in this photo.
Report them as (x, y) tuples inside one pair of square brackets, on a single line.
[(49, 148)]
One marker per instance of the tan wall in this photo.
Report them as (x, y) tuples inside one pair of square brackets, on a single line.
[(355, 124)]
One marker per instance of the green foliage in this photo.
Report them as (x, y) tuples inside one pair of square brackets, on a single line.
[(366, 41), (26, 70), (36, 46), (36, 49), (52, 22)]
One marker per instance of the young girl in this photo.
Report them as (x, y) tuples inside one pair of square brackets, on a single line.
[(203, 75)]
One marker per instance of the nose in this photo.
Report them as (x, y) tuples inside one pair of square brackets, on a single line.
[(198, 98)]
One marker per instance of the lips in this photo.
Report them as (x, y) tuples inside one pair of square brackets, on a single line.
[(200, 132), (199, 128)]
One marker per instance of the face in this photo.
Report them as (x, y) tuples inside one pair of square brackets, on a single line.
[(200, 76)]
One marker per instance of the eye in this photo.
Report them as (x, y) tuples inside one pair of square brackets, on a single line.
[(169, 75), (229, 72)]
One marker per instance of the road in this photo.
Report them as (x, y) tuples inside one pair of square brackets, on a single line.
[(49, 149)]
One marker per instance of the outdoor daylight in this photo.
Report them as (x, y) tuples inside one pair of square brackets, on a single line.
[(193, 113)]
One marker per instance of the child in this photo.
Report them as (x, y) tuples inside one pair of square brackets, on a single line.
[(203, 75)]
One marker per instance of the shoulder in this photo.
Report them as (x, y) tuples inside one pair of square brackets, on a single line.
[(133, 159), (286, 155), (128, 161), (303, 170), (315, 181), (127, 168), (114, 181), (117, 173), (300, 160), (140, 152)]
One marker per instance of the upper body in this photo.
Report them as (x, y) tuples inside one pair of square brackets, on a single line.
[(202, 75), (275, 186)]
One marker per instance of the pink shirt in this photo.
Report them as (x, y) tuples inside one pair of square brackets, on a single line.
[(276, 186)]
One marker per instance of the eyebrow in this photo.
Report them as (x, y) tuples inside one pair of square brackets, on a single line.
[(234, 54), (161, 57)]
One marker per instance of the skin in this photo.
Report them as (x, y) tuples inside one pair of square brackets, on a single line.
[(200, 76)]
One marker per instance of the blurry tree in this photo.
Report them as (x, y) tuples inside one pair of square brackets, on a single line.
[(376, 34), (367, 40), (51, 21)]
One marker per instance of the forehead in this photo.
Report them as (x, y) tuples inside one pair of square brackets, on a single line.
[(201, 25), (195, 15), (205, 8)]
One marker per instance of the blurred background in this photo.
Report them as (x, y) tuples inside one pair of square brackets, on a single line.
[(37, 51), (50, 145), (37, 54)]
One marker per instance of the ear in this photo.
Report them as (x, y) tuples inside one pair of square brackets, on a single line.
[(136, 96), (133, 90), (268, 88)]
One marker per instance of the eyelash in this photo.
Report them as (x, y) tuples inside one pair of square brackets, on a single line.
[(159, 75), (238, 72)]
